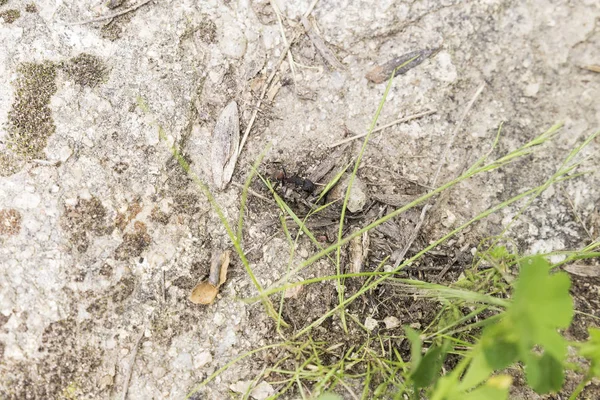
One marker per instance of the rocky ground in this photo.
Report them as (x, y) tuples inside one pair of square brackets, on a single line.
[(103, 235)]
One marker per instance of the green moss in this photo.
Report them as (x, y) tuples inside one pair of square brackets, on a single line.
[(10, 16), (3, 2), (30, 122), (85, 70), (31, 8)]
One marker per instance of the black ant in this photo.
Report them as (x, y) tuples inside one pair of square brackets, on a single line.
[(305, 184)]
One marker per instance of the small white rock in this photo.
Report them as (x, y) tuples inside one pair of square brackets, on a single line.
[(233, 42), (358, 193), (240, 386), (531, 90), (262, 391), (183, 361), (218, 319), (202, 359), (391, 322), (370, 323)]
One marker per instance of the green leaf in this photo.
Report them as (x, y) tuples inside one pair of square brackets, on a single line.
[(544, 373), (429, 368), (479, 370), (500, 345), (591, 351), (329, 396), (496, 388), (415, 346), (541, 305)]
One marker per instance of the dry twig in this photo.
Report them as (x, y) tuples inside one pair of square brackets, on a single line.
[(399, 121), (110, 16), (132, 363), (320, 45)]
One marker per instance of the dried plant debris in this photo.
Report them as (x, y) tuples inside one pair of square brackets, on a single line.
[(589, 270), (85, 70), (320, 45), (10, 222), (359, 248), (225, 145), (593, 67), (206, 291), (10, 16), (382, 73), (30, 122)]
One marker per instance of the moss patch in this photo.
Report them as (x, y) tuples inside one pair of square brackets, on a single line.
[(65, 364), (3, 2), (157, 215), (10, 16), (82, 221), (10, 222), (133, 243), (31, 8), (85, 70), (30, 122)]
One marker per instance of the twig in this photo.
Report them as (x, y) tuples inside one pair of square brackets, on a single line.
[(131, 364), (110, 16), (262, 95), (270, 78), (320, 45), (398, 255), (252, 192), (285, 42), (593, 68), (398, 121)]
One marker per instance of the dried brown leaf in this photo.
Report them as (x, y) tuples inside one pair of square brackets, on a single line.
[(225, 256), (583, 269), (225, 145), (593, 68), (203, 293)]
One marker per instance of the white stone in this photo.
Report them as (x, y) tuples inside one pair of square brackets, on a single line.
[(370, 323), (531, 90), (218, 319), (391, 322), (183, 361), (202, 359), (240, 386), (233, 42), (262, 391)]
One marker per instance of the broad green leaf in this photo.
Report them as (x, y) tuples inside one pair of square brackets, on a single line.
[(446, 388), (429, 368), (479, 370), (415, 346), (544, 373), (496, 388), (591, 351), (500, 345), (541, 305)]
